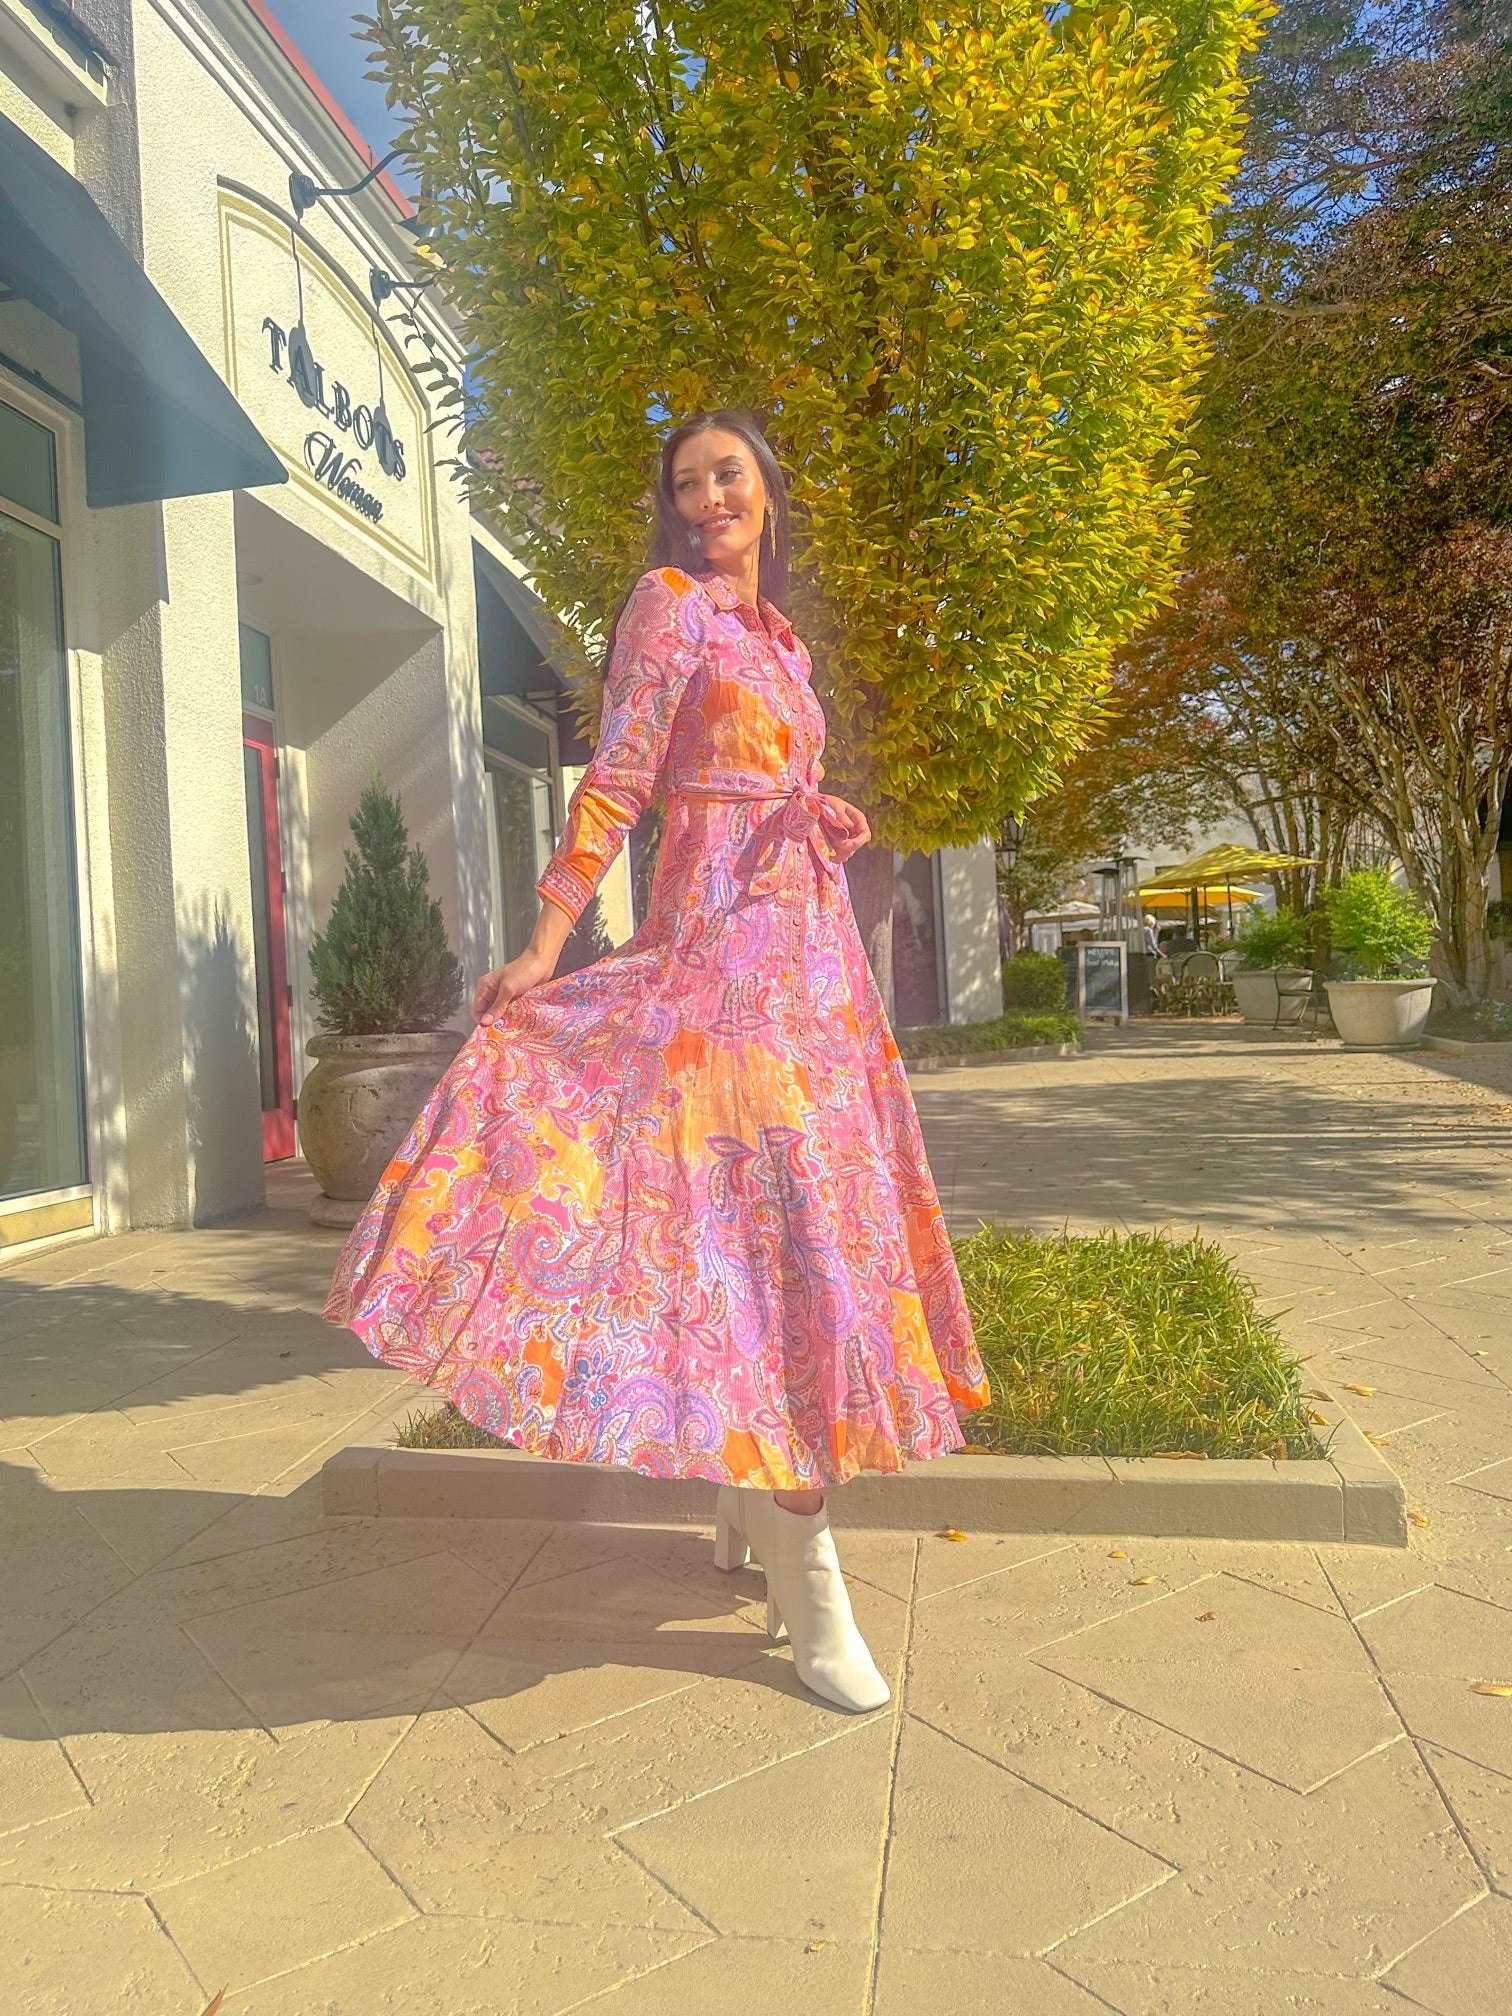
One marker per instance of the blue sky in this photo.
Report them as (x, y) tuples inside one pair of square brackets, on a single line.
[(323, 30)]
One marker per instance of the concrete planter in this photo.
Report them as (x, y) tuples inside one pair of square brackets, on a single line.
[(1380, 1014), (1258, 996), (356, 1107), (1032, 1053)]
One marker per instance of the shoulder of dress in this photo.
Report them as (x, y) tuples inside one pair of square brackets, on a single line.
[(680, 602), (675, 578)]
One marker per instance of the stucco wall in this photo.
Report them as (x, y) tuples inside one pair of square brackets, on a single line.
[(39, 114), (973, 974), (392, 724)]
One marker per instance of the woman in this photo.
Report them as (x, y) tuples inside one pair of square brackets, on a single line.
[(672, 1211)]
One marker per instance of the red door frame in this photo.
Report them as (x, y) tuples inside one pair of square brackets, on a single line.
[(278, 1122)]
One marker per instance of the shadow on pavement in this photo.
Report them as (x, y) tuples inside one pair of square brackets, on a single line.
[(1233, 1150), (269, 1616)]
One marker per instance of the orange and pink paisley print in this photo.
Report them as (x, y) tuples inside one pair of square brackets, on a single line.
[(672, 1211)]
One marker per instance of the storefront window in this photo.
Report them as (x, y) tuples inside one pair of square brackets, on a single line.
[(918, 998), (41, 1043), (518, 757)]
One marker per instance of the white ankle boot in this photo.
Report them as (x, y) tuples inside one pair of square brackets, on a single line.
[(805, 1592)]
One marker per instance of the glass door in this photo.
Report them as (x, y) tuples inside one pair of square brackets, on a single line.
[(42, 1107)]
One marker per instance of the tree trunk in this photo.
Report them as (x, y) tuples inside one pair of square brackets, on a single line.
[(871, 875), (1463, 953)]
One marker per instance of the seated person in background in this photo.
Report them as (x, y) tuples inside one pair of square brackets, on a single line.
[(1180, 940)]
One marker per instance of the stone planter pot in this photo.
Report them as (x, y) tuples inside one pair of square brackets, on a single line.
[(1257, 996), (356, 1107), (1380, 1014)]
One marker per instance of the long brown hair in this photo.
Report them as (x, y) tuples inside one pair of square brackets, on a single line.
[(674, 543)]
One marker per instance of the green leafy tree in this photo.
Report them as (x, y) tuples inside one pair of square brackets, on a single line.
[(1145, 779), (382, 965), (1357, 431), (1225, 723), (955, 253)]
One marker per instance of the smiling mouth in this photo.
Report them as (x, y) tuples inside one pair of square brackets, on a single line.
[(716, 525)]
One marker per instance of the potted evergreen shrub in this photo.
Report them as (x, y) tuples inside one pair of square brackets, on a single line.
[(384, 981), (1382, 936), (1270, 945)]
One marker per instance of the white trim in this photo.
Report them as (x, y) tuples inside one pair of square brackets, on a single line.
[(80, 81), (38, 1200)]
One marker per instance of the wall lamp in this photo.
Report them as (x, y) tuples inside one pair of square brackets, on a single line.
[(382, 284), (304, 194)]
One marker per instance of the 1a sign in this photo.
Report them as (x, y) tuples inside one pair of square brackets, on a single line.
[(289, 355), (1102, 979)]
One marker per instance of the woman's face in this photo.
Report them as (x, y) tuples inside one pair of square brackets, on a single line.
[(718, 490)]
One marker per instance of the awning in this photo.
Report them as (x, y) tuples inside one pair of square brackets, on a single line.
[(159, 422), (550, 636), (1216, 866)]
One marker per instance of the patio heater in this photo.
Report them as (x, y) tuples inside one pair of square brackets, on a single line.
[(1118, 912)]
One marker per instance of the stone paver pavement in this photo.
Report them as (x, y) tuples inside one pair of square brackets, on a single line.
[(428, 1768)]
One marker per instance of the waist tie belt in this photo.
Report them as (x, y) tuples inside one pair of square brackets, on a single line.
[(799, 820)]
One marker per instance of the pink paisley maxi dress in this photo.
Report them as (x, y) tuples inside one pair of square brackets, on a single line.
[(672, 1211)]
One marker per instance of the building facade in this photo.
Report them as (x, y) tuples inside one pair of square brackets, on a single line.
[(239, 576), (201, 678)]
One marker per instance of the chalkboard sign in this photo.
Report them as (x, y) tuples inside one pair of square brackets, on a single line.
[(1102, 980)]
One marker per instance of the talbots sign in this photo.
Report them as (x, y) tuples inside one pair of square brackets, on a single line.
[(328, 388), (368, 426)]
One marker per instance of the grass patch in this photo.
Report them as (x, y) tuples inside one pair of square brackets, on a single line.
[(1126, 1346), (443, 1428), (1013, 1031)]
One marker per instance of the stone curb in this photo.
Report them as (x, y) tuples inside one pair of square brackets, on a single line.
[(1028, 1053), (1455, 1046), (1352, 1495)]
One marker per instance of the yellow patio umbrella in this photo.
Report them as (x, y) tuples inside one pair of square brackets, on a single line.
[(1152, 897), (1219, 866), (1216, 868)]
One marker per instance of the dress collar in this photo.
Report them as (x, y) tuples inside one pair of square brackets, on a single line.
[(766, 616)]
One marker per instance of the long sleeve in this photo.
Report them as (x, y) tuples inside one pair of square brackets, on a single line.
[(648, 671)]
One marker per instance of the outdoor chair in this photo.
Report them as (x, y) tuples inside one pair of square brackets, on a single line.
[(1199, 987), (1306, 986)]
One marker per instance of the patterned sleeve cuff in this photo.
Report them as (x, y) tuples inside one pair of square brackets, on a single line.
[(568, 891)]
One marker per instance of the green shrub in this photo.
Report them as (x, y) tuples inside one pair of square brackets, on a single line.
[(1006, 1032), (1380, 930), (1132, 1345), (1035, 981), (1270, 938), (1499, 919), (382, 966)]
